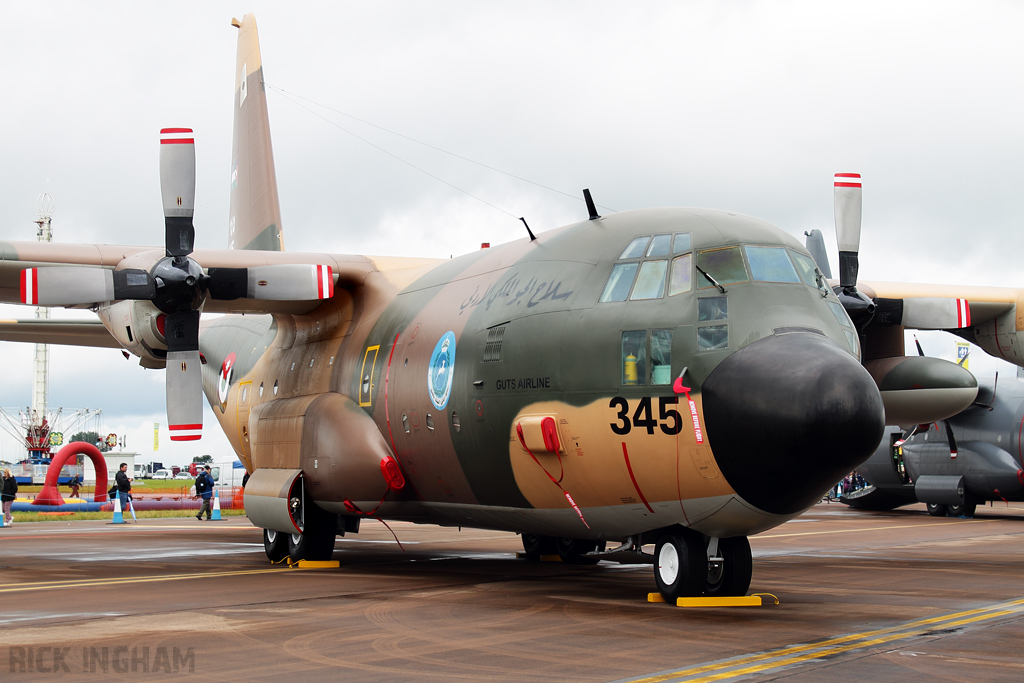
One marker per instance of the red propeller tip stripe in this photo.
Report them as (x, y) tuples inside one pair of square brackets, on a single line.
[(176, 136), (324, 282), (847, 180), (186, 432), (29, 287)]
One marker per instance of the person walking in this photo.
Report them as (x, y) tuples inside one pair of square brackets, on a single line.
[(10, 492), (204, 488), (124, 485), (74, 485)]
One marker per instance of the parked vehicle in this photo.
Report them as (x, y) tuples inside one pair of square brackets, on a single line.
[(161, 474)]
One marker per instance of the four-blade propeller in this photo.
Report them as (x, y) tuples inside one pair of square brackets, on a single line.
[(177, 285)]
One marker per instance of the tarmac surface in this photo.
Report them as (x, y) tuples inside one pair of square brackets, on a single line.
[(897, 596)]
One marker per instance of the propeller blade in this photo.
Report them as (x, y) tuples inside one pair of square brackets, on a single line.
[(283, 282), (951, 439), (66, 286), (178, 189), (847, 211), (936, 313), (920, 351), (184, 376), (815, 243)]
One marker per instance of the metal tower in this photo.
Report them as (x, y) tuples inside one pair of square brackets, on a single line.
[(40, 376)]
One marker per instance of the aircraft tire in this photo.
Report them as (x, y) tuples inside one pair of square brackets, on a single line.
[(573, 550), (680, 564), (275, 543), (535, 545), (733, 577), (937, 509), (965, 510), (316, 542)]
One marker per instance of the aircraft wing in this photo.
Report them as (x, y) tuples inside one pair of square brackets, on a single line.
[(69, 332)]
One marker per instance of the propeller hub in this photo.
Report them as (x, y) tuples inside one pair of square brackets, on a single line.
[(180, 285)]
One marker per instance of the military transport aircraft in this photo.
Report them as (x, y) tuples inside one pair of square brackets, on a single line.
[(675, 377), (972, 457)]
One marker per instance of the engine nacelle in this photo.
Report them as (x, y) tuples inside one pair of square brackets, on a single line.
[(136, 325), (1002, 337)]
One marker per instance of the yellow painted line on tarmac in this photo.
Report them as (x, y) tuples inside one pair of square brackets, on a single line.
[(873, 528), (79, 583), (797, 654)]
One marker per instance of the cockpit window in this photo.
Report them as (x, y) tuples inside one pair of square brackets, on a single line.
[(660, 245), (620, 281), (635, 248), (806, 267), (682, 243), (724, 265), (651, 283), (770, 264), (681, 280)]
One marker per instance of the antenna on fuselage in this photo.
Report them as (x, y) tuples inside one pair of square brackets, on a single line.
[(532, 236), (590, 205)]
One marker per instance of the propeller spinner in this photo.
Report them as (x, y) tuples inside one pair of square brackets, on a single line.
[(177, 285)]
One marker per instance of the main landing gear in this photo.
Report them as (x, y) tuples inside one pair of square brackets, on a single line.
[(688, 565), (314, 542)]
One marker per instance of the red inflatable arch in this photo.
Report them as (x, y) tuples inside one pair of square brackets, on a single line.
[(51, 496)]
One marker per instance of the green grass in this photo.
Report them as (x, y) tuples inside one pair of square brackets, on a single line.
[(141, 514)]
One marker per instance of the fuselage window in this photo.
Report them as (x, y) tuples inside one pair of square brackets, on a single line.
[(681, 279), (651, 282), (712, 308), (661, 356), (712, 337), (634, 357), (725, 265), (771, 264)]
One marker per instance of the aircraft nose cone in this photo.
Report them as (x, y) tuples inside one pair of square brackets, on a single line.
[(788, 416)]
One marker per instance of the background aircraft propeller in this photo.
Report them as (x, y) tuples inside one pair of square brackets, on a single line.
[(177, 285)]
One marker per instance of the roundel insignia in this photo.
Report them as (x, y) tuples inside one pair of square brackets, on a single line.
[(224, 383), (440, 375)]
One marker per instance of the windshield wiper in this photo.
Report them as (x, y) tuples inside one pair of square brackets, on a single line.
[(711, 279)]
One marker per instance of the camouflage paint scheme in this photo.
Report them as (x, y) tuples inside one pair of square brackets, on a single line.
[(439, 364)]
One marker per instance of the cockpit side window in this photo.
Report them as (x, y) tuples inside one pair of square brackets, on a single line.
[(619, 282), (806, 267), (651, 283), (644, 276), (636, 248), (660, 245)]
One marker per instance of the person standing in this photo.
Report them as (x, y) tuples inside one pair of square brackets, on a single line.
[(10, 492), (124, 485), (204, 488)]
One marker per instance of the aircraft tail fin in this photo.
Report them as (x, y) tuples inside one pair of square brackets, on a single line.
[(255, 214)]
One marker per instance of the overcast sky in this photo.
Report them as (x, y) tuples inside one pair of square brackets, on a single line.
[(746, 106)]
